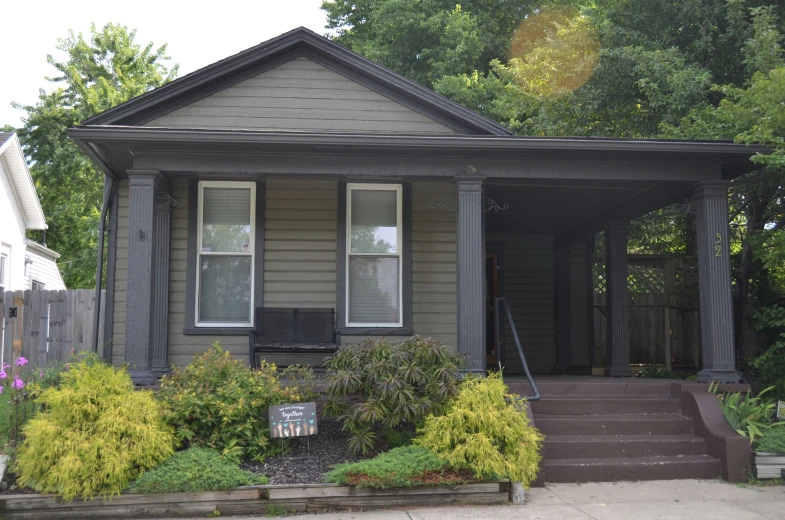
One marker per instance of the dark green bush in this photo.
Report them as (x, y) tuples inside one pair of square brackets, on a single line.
[(196, 469), (387, 384), (401, 467), (397, 438), (768, 370), (773, 440), (220, 402), (301, 380)]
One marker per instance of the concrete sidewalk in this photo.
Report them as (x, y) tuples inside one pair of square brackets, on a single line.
[(663, 499)]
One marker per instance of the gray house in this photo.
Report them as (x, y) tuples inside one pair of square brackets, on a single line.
[(299, 175)]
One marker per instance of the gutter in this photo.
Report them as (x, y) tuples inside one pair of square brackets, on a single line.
[(459, 142)]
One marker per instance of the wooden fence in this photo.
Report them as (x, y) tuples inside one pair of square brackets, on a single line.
[(43, 326), (664, 311)]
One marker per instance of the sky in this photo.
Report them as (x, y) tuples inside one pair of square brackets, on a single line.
[(197, 34)]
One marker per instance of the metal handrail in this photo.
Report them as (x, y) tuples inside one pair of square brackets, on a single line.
[(499, 301)]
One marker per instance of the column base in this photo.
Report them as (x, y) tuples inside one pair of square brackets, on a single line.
[(724, 375), (142, 377), (618, 371)]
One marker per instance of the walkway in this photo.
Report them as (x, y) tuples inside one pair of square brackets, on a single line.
[(661, 500)]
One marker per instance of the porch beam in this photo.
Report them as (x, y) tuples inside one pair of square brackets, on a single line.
[(561, 255), (617, 294), (714, 277), (471, 264)]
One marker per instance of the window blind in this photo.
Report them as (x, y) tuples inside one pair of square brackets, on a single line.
[(374, 208), (373, 289), (226, 206)]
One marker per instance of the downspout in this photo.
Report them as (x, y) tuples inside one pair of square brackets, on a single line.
[(99, 269)]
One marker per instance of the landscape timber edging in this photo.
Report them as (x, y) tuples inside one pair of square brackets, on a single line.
[(253, 500), (769, 465)]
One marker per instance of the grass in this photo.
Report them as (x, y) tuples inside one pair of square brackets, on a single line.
[(5, 421)]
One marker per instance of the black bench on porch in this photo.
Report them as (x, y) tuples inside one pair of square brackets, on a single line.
[(280, 330)]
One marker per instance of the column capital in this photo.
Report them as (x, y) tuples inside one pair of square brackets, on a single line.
[(618, 225), (143, 177), (468, 182), (707, 189)]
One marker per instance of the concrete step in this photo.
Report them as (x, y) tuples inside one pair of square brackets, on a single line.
[(632, 468), (634, 387), (614, 424), (623, 404), (621, 446)]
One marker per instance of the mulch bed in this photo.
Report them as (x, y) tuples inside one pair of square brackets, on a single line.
[(307, 466)]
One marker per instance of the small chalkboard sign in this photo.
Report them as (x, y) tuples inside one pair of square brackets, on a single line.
[(293, 420), (781, 410)]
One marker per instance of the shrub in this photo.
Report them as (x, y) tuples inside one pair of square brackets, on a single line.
[(400, 467), (384, 383), (196, 469), (301, 380), (768, 370), (95, 435), (484, 431), (219, 402), (773, 440), (749, 416)]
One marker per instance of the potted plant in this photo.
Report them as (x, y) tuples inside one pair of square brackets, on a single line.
[(769, 458)]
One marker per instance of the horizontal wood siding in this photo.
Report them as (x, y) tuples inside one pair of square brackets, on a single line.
[(434, 268), (578, 301), (529, 273), (300, 258), (121, 275), (44, 270), (182, 348), (301, 95)]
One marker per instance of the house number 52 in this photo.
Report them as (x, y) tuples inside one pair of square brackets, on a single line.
[(717, 245)]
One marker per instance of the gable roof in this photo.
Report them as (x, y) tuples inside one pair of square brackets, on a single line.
[(282, 49), (21, 181)]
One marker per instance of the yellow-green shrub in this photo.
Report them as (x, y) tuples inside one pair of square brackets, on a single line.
[(95, 435), (484, 431)]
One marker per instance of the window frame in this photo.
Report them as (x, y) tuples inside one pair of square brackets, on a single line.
[(399, 254), (33, 282), (198, 323)]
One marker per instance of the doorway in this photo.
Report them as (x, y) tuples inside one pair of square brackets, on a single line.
[(492, 343)]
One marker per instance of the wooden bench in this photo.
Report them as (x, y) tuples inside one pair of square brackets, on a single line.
[(283, 330)]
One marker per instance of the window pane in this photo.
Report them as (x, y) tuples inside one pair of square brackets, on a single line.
[(225, 289), (374, 221), (226, 220), (373, 290)]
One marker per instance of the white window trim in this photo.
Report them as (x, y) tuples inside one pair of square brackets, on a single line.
[(398, 188), (5, 251), (199, 253)]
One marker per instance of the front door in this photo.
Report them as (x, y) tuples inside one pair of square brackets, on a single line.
[(491, 293)]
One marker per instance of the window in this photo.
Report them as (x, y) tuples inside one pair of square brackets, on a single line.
[(225, 254), (374, 255), (38, 286), (4, 268)]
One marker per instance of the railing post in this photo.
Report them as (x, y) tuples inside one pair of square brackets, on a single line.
[(618, 300)]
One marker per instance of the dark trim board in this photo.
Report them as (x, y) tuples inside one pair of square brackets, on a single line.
[(406, 266), (190, 328), (111, 266)]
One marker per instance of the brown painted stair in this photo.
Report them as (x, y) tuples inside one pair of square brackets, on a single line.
[(600, 432)]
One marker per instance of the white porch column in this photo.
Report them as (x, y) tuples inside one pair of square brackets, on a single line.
[(714, 276), (471, 263), (617, 294)]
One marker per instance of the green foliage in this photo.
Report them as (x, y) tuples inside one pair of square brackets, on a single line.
[(426, 40), (95, 435), (485, 430), (656, 373), (220, 402), (406, 466), (748, 416), (301, 380), (98, 73), (773, 441), (397, 438), (196, 469), (768, 369), (382, 383)]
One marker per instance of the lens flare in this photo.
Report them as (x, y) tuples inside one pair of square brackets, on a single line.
[(554, 51)]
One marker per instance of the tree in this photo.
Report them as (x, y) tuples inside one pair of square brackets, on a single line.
[(425, 40), (97, 74)]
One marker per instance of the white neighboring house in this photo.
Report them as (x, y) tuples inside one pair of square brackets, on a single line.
[(24, 264)]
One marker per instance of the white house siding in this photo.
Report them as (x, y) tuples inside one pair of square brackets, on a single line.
[(301, 95), (43, 269), (12, 233)]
